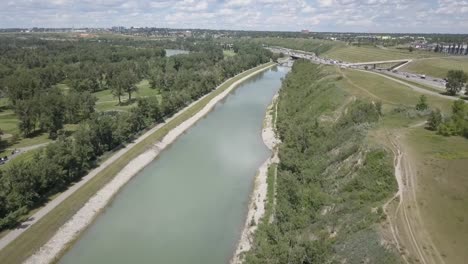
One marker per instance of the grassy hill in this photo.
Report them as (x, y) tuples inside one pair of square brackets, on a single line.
[(437, 67)]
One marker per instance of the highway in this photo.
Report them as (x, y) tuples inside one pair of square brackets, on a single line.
[(436, 83)]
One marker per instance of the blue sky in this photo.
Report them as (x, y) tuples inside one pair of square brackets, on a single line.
[(443, 16)]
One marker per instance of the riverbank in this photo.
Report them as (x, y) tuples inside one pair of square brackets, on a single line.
[(258, 198), (42, 232)]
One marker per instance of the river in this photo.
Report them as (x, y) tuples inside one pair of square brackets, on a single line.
[(189, 205)]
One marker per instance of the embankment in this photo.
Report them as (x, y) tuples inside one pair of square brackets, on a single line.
[(258, 198)]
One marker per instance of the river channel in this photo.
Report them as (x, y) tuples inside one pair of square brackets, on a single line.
[(189, 205)]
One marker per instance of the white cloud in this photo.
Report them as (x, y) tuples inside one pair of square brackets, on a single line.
[(316, 15)]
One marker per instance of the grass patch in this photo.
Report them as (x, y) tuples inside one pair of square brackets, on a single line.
[(437, 67), (441, 165), (32, 239), (440, 147), (350, 53), (229, 53), (108, 102)]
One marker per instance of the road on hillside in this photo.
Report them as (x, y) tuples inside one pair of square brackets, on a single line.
[(436, 83)]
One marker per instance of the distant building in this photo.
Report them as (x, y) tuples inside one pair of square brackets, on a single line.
[(305, 31)]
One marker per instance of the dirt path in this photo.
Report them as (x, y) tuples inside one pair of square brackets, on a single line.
[(12, 235), (405, 221)]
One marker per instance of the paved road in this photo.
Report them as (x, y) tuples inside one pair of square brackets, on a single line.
[(437, 83)]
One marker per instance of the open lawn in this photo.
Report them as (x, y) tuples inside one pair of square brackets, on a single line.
[(350, 53), (228, 53), (38, 234), (440, 164), (107, 101), (437, 67)]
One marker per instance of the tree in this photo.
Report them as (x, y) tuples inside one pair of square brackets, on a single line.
[(455, 81), (52, 112), (2, 142), (422, 104), (27, 113), (116, 87), (435, 119), (410, 49), (459, 108)]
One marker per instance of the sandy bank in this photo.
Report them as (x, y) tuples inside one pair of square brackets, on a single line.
[(259, 195), (70, 230)]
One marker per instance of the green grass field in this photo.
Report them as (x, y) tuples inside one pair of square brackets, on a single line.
[(31, 240), (441, 164), (437, 67), (228, 53), (351, 53), (388, 91), (107, 101)]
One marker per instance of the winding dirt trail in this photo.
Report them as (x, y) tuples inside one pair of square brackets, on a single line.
[(406, 223)]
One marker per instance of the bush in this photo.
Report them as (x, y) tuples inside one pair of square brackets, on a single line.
[(435, 119), (422, 104)]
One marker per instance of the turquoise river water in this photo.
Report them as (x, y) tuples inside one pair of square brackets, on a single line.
[(189, 205)]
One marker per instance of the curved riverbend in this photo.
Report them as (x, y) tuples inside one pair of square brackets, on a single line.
[(189, 205)]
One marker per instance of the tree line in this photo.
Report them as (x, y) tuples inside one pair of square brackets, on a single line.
[(180, 79)]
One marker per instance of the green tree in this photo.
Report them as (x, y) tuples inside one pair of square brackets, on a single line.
[(455, 81), (52, 112), (128, 80), (422, 104), (27, 113), (435, 119)]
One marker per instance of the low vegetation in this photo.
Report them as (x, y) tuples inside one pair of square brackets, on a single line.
[(330, 183), (454, 125), (354, 53)]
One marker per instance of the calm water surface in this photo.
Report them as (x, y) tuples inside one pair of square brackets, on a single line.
[(189, 205)]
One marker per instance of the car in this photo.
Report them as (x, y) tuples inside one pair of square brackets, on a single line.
[(407, 76)]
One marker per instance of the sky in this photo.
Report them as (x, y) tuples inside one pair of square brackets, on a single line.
[(403, 16)]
